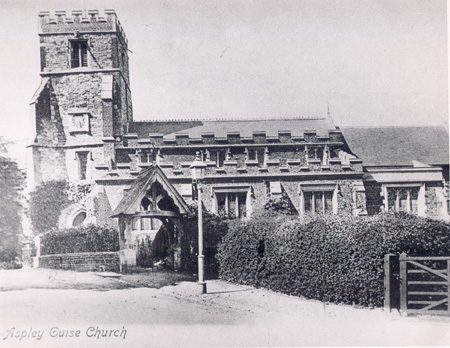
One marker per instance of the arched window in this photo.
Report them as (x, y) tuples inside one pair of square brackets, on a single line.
[(79, 219)]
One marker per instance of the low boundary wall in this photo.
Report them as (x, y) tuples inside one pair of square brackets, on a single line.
[(100, 261)]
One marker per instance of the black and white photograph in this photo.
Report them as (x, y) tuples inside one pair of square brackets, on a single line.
[(224, 173)]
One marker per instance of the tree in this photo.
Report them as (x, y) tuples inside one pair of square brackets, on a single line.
[(11, 186)]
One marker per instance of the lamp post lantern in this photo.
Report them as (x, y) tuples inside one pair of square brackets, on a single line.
[(198, 172)]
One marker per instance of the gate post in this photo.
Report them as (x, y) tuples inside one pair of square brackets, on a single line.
[(391, 284), (448, 286), (403, 284)]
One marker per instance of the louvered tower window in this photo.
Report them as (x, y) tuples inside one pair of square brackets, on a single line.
[(79, 54)]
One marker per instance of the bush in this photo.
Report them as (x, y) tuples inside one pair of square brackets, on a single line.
[(334, 258), (89, 238)]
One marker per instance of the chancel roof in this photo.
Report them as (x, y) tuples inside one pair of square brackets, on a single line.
[(398, 146)]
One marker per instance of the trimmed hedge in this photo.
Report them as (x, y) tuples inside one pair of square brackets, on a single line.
[(333, 259), (82, 239)]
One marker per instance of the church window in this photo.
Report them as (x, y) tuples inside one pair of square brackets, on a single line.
[(232, 202), (403, 199), (318, 202), (82, 158), (319, 199), (79, 219), (232, 205), (79, 53)]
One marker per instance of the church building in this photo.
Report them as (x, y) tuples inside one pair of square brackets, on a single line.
[(138, 175)]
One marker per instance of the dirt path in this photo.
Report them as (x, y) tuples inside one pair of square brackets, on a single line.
[(178, 315)]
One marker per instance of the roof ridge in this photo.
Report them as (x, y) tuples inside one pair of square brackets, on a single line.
[(235, 119), (417, 126)]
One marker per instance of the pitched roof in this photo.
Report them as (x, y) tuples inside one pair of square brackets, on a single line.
[(144, 180), (398, 146), (220, 128)]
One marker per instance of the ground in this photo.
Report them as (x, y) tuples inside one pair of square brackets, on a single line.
[(167, 309)]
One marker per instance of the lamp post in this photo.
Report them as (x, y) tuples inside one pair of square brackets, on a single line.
[(197, 171)]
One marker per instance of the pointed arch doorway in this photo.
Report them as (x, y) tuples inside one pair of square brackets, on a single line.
[(151, 211)]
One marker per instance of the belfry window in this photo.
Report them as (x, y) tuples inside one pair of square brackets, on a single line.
[(79, 53)]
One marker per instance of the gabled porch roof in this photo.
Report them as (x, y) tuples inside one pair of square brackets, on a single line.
[(139, 189)]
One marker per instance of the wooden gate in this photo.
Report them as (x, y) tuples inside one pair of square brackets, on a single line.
[(424, 285)]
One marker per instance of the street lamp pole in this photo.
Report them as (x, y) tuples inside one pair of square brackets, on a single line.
[(197, 169), (201, 257)]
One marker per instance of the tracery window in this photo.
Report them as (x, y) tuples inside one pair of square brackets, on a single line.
[(403, 199)]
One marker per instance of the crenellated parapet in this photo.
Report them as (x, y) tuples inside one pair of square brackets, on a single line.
[(78, 21), (234, 137)]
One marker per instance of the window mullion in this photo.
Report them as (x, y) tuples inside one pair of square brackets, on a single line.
[(397, 200), (227, 209), (313, 202), (323, 203), (408, 200)]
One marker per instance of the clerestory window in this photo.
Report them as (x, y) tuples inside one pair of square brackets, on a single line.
[(79, 53)]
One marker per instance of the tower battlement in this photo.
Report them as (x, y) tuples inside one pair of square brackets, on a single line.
[(58, 22)]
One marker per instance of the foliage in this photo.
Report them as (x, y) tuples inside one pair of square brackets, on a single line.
[(46, 204), (214, 228), (11, 185), (11, 265), (144, 254), (90, 238), (77, 192), (333, 258), (281, 204)]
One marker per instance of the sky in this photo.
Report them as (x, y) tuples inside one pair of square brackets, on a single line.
[(371, 62)]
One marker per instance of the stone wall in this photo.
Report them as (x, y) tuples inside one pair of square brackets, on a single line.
[(49, 164), (55, 51), (434, 200), (84, 262)]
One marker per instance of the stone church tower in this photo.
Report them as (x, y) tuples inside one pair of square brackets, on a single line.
[(84, 101)]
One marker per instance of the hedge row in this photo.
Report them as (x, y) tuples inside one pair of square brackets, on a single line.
[(333, 259), (89, 238)]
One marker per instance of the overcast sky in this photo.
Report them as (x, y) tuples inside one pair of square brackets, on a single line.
[(374, 62)]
